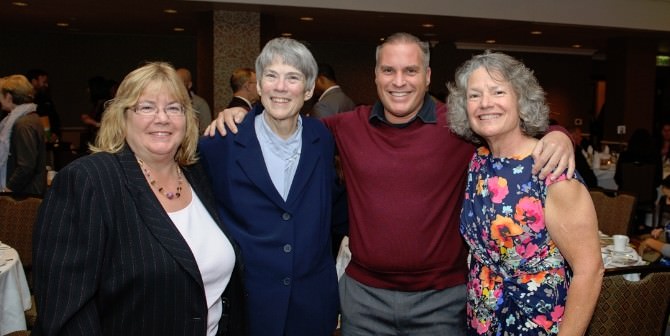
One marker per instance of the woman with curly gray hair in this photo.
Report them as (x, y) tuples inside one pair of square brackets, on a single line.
[(535, 264)]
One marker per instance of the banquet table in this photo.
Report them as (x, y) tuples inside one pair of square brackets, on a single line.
[(605, 176), (614, 259), (14, 292)]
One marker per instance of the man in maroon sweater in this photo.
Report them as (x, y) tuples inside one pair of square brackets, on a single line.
[(405, 177)]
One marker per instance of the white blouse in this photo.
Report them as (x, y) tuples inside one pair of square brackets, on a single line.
[(212, 251)]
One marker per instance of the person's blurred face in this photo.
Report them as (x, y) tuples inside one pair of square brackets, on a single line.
[(6, 102), (492, 106), (665, 131), (401, 81), (282, 90), (156, 136), (251, 87), (40, 83)]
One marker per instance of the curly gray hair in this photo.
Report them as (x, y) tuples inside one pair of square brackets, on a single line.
[(533, 111)]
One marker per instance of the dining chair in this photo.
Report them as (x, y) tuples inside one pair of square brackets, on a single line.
[(614, 211), (17, 219), (633, 307)]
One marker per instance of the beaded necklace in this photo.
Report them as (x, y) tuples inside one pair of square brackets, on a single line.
[(168, 194)]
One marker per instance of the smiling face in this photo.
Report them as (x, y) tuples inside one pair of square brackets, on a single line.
[(283, 92), (155, 137), (402, 80), (492, 106)]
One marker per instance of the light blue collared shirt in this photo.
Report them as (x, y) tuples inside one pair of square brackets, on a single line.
[(281, 156)]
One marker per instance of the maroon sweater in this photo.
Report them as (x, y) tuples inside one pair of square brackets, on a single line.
[(405, 188)]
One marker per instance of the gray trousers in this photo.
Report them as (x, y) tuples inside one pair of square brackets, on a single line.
[(373, 311)]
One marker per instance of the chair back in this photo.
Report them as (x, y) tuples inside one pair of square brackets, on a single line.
[(633, 307), (614, 212), (17, 219)]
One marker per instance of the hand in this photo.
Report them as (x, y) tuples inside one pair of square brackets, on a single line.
[(553, 154), (229, 117), (657, 232)]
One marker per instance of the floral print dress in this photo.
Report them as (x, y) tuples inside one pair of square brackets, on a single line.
[(518, 280)]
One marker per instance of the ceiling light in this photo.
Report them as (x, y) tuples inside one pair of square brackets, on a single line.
[(286, 34), (576, 45), (490, 41), (427, 25), (170, 11), (527, 49), (307, 18), (62, 24), (536, 32), (20, 3), (178, 29)]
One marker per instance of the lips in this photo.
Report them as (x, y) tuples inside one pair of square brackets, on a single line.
[(489, 116)]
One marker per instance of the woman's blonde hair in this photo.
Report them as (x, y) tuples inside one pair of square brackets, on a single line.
[(112, 134), (19, 88)]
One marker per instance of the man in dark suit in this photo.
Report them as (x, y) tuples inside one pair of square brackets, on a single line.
[(243, 83), (332, 99)]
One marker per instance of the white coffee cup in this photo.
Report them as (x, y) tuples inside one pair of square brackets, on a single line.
[(620, 243)]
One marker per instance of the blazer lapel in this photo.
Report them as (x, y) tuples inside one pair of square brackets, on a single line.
[(309, 157), (155, 217), (251, 160)]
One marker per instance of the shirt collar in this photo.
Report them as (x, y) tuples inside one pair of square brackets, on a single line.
[(327, 90), (426, 113)]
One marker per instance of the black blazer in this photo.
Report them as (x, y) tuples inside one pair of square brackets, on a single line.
[(109, 261)]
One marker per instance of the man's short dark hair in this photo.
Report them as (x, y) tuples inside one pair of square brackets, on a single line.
[(327, 71), (35, 74)]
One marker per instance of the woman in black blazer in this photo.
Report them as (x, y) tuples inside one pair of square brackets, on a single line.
[(128, 241)]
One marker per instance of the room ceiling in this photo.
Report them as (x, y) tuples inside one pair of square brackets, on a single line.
[(148, 17)]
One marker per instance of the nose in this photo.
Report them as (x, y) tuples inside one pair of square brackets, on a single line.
[(485, 100), (398, 79)]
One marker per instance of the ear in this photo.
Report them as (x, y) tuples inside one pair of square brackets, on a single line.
[(309, 93)]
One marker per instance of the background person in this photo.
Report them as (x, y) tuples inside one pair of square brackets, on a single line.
[(128, 240), (332, 99), (22, 143), (39, 79), (404, 173), (535, 263), (245, 92), (199, 104)]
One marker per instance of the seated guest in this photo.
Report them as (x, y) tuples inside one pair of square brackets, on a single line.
[(22, 141), (581, 161), (128, 240), (659, 240)]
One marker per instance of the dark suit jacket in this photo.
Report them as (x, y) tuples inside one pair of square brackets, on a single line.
[(289, 269), (239, 102), (109, 261), (332, 102)]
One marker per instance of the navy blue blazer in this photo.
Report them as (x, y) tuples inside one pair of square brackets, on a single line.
[(289, 270), (109, 261)]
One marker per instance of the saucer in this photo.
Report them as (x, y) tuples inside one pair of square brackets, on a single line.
[(627, 250)]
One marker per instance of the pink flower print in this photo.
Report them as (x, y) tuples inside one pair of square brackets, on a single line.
[(557, 314), (529, 212), (498, 188), (543, 322)]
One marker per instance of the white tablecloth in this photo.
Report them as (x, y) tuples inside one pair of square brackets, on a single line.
[(606, 177), (14, 292)]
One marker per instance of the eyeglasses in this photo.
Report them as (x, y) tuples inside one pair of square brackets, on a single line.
[(151, 110)]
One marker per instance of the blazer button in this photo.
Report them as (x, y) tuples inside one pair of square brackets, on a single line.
[(287, 281), (287, 248), (286, 216)]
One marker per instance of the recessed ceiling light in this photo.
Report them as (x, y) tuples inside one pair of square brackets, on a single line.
[(307, 18), (170, 11), (576, 45), (490, 41), (428, 25), (20, 3), (286, 34), (536, 32), (178, 29), (62, 24)]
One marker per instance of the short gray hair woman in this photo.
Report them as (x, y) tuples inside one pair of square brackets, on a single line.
[(291, 52), (533, 110)]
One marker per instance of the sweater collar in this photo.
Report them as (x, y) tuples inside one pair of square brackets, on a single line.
[(426, 113)]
